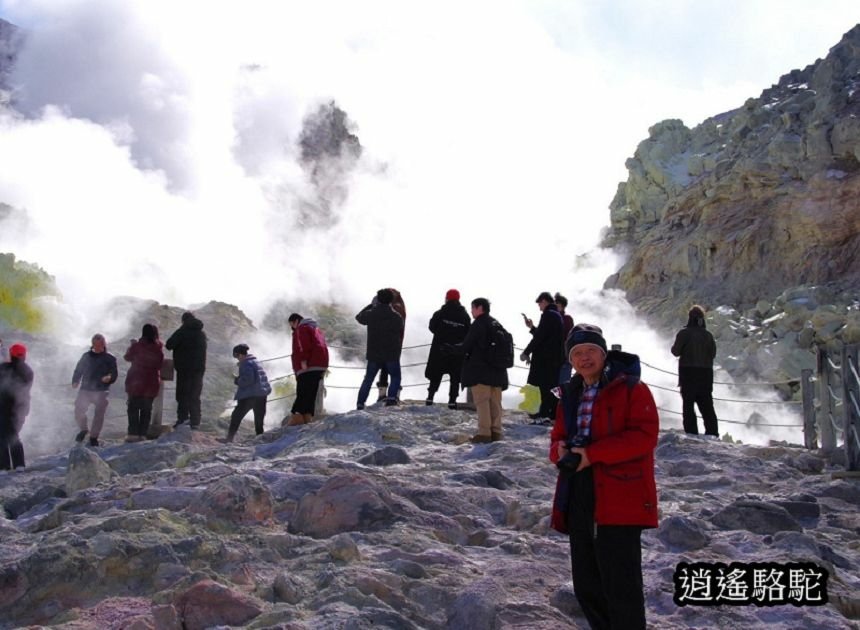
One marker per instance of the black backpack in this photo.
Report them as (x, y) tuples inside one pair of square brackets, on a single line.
[(500, 347)]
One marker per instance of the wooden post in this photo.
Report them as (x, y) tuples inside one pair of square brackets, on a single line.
[(156, 426), (850, 404), (810, 439), (319, 404), (825, 422)]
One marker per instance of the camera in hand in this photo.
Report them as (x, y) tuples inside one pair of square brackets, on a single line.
[(570, 461)]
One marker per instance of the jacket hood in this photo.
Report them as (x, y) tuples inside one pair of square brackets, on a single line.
[(193, 324), (307, 321), (620, 363)]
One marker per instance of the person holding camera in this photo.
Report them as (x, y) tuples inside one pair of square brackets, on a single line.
[(603, 443)]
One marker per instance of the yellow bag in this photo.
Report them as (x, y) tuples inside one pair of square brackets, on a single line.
[(531, 399)]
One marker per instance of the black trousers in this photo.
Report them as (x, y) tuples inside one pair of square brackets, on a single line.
[(696, 387), (189, 387), (307, 386), (258, 404), (11, 448), (453, 386), (548, 402), (606, 563), (139, 415)]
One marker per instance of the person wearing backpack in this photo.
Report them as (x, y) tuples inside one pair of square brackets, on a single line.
[(252, 390), (485, 354), (603, 444)]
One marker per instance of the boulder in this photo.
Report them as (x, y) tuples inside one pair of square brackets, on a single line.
[(237, 499), (680, 533), (208, 604), (347, 502), (758, 517), (86, 469)]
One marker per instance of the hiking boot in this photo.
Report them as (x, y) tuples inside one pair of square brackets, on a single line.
[(178, 424), (94, 442), (452, 405), (428, 402), (359, 406), (480, 439), (496, 437), (81, 435), (129, 439), (390, 402), (295, 420)]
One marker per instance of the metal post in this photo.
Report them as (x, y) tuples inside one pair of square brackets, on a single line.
[(825, 424), (810, 438), (850, 403)]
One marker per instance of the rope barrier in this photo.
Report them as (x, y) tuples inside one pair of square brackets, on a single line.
[(752, 402), (761, 384), (758, 424)]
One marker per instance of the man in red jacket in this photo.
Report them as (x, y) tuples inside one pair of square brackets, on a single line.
[(310, 362), (603, 444)]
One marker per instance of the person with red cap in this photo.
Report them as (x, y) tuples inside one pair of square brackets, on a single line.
[(449, 325), (16, 379)]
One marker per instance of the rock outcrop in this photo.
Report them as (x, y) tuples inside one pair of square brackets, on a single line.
[(749, 203)]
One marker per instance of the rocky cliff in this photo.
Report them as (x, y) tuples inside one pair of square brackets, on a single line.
[(9, 42), (750, 203)]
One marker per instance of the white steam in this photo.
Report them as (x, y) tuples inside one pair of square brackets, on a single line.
[(153, 144)]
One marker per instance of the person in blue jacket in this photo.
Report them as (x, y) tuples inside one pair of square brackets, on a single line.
[(252, 390)]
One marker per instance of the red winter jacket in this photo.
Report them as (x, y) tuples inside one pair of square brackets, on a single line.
[(309, 345), (624, 428), (144, 375)]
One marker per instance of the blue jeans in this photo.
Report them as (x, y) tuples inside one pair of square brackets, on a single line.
[(373, 367)]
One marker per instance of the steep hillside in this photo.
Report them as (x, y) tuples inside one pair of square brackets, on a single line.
[(750, 203)]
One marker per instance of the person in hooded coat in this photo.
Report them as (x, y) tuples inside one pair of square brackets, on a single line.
[(696, 349), (603, 443), (252, 391), (310, 362), (16, 379), (188, 344), (142, 381), (449, 326)]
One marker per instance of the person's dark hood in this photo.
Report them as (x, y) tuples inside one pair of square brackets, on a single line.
[(193, 324)]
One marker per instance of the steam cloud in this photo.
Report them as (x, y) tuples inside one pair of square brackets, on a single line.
[(155, 148)]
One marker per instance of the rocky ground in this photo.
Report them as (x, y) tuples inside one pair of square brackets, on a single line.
[(389, 518)]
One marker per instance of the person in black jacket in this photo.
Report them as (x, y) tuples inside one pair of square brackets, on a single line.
[(545, 354), (16, 379), (384, 343), (696, 349), (94, 374), (485, 381), (449, 326), (188, 344)]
